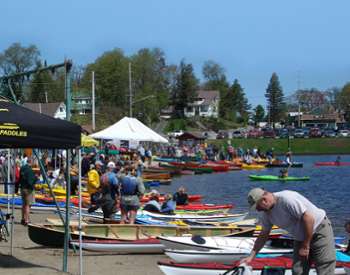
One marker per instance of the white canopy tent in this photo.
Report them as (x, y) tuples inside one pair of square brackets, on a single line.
[(129, 129)]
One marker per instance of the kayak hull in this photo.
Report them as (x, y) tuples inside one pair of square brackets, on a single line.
[(217, 256), (257, 267), (139, 246)]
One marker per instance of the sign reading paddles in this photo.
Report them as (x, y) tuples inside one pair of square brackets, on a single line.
[(24, 128)]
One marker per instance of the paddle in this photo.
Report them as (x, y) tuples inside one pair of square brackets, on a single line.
[(237, 270)]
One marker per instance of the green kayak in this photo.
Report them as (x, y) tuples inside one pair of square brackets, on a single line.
[(277, 178)]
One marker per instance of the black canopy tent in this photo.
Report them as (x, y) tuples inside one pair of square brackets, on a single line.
[(23, 128)]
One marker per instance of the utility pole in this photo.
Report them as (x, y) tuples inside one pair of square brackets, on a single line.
[(68, 92), (299, 115), (130, 92), (298, 87), (93, 101), (46, 100)]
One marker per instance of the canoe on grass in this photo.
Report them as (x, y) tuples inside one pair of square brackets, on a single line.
[(277, 178), (278, 265), (332, 163), (53, 234)]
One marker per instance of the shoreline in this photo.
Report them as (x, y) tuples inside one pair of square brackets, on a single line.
[(31, 259)]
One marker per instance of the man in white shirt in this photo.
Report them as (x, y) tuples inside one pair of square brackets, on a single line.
[(309, 225)]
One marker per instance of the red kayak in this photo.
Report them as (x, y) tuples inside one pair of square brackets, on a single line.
[(191, 198), (332, 163), (194, 207), (282, 265), (214, 166)]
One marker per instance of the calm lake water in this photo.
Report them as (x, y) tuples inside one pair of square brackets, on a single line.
[(328, 188)]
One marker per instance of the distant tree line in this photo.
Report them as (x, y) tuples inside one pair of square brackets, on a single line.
[(156, 85)]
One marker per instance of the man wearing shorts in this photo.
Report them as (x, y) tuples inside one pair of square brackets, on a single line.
[(27, 180)]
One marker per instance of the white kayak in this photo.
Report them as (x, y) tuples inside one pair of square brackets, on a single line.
[(219, 256), (158, 218), (151, 245), (216, 243), (279, 265), (193, 217)]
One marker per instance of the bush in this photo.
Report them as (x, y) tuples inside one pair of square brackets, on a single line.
[(176, 125)]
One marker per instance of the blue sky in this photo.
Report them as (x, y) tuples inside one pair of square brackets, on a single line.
[(305, 39)]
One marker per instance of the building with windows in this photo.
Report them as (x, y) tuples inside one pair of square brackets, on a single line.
[(335, 120), (81, 103), (54, 109), (206, 104)]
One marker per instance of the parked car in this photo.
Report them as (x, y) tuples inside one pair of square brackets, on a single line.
[(283, 133), (269, 133), (315, 132), (299, 133), (306, 132), (329, 133), (222, 135), (255, 133), (344, 133), (237, 134)]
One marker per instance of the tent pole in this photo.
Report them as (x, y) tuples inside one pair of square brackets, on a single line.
[(66, 225), (43, 173), (13, 204), (80, 228), (8, 179)]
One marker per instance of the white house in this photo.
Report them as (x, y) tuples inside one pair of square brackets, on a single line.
[(55, 109), (206, 104)]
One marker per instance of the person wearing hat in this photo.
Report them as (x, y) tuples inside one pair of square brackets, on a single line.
[(112, 179), (309, 226)]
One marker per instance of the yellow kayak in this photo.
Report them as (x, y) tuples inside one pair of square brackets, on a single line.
[(252, 166)]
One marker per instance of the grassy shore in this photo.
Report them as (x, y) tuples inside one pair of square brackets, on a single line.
[(300, 146)]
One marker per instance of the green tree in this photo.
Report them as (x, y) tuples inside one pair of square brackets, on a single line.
[(111, 78), (185, 88), (40, 87), (150, 79), (259, 114), (240, 102), (18, 59), (345, 101), (275, 100)]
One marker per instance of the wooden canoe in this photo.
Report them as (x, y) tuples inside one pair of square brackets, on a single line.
[(53, 234)]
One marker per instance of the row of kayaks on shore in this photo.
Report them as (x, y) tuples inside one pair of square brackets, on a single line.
[(193, 250)]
